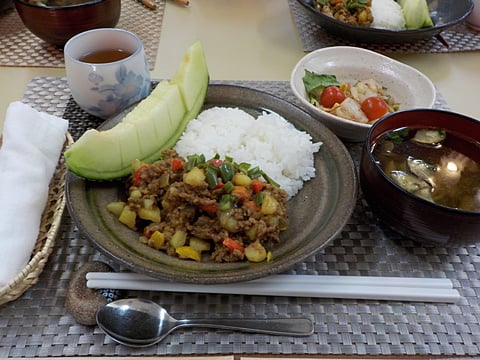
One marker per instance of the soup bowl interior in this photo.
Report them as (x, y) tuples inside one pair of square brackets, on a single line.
[(418, 219)]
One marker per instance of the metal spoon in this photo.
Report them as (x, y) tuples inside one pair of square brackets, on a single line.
[(142, 323)]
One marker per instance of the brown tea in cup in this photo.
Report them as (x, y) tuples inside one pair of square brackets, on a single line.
[(105, 56)]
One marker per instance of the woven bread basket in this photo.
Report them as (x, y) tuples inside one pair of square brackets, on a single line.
[(50, 223)]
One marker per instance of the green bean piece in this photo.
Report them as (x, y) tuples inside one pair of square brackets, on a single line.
[(226, 202), (195, 161), (227, 171), (259, 198), (228, 187), (211, 176)]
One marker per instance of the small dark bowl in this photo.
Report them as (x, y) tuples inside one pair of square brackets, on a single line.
[(412, 216), (6, 5), (444, 14), (57, 24)]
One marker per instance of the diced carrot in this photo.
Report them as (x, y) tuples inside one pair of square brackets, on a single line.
[(177, 164), (257, 185), (137, 175), (219, 185), (251, 205), (209, 208), (233, 245), (241, 192)]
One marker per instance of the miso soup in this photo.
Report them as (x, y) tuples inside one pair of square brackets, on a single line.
[(434, 164)]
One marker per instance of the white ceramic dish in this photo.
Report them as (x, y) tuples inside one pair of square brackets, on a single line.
[(408, 87)]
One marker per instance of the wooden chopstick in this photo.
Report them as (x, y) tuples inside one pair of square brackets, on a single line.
[(183, 2), (152, 5), (149, 4)]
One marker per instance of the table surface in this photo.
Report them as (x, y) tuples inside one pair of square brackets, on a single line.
[(257, 41)]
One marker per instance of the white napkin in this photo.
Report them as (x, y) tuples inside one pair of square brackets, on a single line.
[(31, 146)]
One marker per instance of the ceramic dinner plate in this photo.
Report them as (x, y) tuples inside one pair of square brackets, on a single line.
[(316, 214)]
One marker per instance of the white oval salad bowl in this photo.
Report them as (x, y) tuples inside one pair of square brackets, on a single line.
[(409, 87)]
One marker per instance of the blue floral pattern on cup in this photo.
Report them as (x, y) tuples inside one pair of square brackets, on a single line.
[(129, 89)]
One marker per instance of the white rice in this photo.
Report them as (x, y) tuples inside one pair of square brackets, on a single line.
[(387, 14), (269, 142)]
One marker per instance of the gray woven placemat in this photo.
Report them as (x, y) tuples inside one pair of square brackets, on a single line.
[(37, 324), (19, 47), (459, 38)]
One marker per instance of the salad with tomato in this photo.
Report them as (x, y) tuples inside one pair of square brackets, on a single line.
[(364, 101)]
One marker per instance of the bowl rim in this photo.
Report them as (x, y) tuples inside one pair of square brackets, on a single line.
[(51, 7), (367, 149), (307, 5), (300, 64)]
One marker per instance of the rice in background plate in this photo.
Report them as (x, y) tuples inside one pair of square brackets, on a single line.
[(387, 14), (269, 142)]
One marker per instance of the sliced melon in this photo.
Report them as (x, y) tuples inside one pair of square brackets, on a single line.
[(154, 125), (190, 75)]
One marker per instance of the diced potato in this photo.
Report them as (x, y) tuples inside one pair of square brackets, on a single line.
[(178, 239), (188, 252), (195, 177), (199, 244), (136, 164), (241, 179), (269, 204), (228, 221), (135, 194), (157, 240), (164, 180), (116, 207), (252, 232), (255, 252), (150, 214), (128, 217), (148, 203)]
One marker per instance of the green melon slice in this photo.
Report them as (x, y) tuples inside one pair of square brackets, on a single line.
[(154, 125)]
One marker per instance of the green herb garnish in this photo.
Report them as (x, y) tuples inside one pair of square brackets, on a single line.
[(316, 83)]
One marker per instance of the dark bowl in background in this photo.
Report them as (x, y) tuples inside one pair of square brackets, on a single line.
[(57, 24), (444, 13), (6, 5), (409, 215)]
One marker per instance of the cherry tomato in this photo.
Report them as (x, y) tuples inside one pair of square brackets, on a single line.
[(331, 95), (374, 107)]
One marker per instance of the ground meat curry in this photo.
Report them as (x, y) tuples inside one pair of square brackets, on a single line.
[(204, 209), (353, 12)]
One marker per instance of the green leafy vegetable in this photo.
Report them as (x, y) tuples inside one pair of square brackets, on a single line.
[(354, 4), (397, 136), (349, 4), (316, 83)]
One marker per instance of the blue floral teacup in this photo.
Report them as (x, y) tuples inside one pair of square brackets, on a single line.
[(107, 70)]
